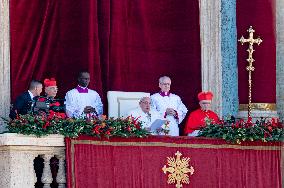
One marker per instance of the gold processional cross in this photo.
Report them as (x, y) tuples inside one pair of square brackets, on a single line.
[(250, 60)]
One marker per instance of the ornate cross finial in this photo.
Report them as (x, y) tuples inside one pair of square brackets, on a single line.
[(250, 60)]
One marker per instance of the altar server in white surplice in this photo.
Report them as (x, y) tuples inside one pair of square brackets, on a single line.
[(169, 105), (81, 101), (144, 113)]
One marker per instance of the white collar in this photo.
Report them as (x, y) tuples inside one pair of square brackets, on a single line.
[(31, 95)]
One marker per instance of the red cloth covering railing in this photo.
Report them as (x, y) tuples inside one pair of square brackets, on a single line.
[(138, 162)]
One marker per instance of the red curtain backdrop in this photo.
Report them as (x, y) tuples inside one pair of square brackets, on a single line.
[(126, 45), (261, 15), (129, 163)]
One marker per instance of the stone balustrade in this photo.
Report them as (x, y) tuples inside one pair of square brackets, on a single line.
[(18, 154)]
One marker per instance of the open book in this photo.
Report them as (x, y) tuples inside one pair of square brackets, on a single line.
[(157, 124)]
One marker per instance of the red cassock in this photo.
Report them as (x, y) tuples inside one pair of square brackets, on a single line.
[(197, 119)]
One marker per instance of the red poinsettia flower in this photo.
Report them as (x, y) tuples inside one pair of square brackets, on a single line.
[(46, 125), (267, 134), (274, 122), (249, 122), (270, 128), (96, 130), (237, 125)]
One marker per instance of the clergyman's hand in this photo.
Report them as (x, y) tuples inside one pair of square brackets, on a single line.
[(88, 109), (170, 111)]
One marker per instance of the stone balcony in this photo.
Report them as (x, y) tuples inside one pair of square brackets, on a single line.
[(19, 153)]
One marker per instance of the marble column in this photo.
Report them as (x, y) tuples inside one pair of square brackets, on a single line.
[(4, 61), (280, 58), (230, 99), (211, 59)]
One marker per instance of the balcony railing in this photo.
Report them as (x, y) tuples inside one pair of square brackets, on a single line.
[(28, 161)]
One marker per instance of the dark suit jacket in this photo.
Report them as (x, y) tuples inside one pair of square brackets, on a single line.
[(22, 105)]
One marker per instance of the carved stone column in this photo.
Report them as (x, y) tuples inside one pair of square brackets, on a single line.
[(4, 61), (61, 179), (46, 178), (211, 59), (280, 58)]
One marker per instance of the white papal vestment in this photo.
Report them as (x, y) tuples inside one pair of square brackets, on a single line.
[(145, 118)]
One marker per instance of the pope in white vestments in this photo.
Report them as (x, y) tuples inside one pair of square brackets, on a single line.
[(144, 114), (82, 101), (169, 105)]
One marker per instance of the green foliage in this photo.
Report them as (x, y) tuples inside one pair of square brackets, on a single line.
[(40, 125), (240, 131)]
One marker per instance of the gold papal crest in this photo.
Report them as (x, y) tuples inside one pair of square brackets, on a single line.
[(178, 170)]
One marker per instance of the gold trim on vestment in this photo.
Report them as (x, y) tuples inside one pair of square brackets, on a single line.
[(258, 106)]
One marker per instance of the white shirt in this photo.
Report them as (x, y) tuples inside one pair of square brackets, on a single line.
[(31, 95), (161, 103), (76, 102)]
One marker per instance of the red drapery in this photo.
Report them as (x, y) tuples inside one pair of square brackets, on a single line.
[(126, 45), (138, 163), (261, 15)]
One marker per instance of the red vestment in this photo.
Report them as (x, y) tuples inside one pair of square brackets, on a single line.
[(197, 119), (51, 112)]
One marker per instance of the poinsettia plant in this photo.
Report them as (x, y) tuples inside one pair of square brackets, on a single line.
[(41, 125), (240, 131)]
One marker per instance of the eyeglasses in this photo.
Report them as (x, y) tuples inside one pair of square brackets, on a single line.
[(205, 103), (145, 102), (166, 84)]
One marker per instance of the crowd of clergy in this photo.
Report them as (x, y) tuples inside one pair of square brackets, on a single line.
[(82, 102)]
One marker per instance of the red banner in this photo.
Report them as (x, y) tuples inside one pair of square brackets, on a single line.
[(135, 163)]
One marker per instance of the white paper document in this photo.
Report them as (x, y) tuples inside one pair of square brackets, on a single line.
[(157, 124)]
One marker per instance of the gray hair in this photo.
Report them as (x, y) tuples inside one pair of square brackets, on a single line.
[(162, 78), (34, 84), (143, 99)]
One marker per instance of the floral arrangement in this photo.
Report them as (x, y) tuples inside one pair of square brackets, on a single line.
[(239, 131), (41, 125)]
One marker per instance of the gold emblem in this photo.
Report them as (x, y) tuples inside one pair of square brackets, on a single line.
[(178, 170)]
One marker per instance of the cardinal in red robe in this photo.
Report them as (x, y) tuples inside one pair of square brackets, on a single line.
[(51, 91), (198, 118)]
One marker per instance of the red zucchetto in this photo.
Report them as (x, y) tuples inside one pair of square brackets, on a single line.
[(49, 82), (205, 96)]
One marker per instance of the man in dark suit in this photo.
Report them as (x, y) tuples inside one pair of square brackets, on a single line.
[(23, 102)]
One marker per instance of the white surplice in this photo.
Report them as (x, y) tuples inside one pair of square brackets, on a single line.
[(145, 118), (161, 103), (76, 102)]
